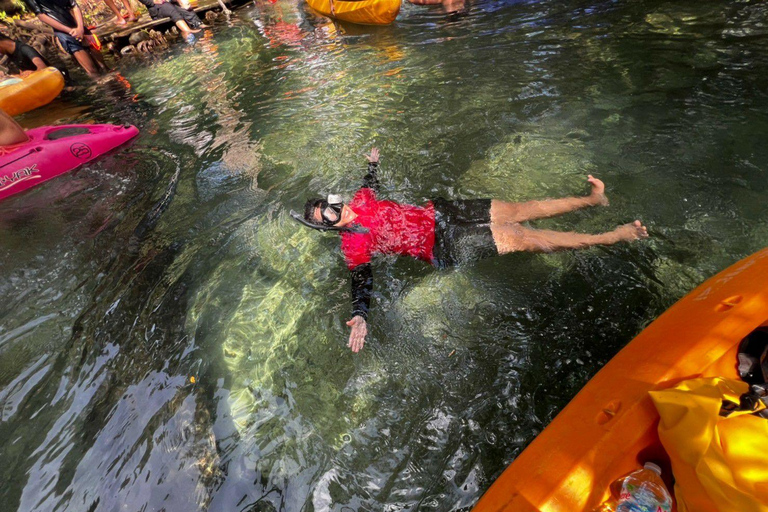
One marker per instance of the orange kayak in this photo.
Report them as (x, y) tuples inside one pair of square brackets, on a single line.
[(36, 90), (363, 12), (610, 428)]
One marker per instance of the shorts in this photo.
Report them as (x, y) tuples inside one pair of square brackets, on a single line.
[(69, 44), (462, 232), (176, 13)]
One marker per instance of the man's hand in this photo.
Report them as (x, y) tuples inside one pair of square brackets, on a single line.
[(357, 336), (77, 33), (374, 156)]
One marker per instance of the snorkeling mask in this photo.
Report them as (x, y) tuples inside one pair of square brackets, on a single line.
[(330, 213), (330, 210)]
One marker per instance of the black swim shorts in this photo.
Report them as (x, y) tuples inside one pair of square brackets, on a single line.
[(69, 44), (462, 232), (175, 12)]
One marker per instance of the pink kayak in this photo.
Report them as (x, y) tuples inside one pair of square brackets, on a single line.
[(55, 150)]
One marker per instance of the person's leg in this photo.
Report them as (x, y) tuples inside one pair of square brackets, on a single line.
[(10, 131), (98, 58), (191, 18), (173, 11), (116, 10), (85, 59), (516, 238), (186, 28), (504, 212), (129, 8)]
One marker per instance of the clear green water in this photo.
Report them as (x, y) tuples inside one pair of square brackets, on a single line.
[(175, 257)]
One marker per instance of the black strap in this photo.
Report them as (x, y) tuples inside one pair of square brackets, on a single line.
[(748, 401), (346, 229)]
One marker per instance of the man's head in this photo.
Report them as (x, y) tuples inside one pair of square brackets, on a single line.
[(329, 215)]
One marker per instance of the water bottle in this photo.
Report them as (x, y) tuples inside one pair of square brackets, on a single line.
[(644, 491)]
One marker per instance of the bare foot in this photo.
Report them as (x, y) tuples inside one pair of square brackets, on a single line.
[(118, 20), (632, 231), (194, 30), (131, 18), (598, 191)]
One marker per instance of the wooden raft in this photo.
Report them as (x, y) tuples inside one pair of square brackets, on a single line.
[(112, 31)]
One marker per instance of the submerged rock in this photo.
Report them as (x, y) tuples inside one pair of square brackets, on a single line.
[(138, 37)]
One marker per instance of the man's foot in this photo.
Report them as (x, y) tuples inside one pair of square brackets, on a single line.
[(632, 231), (131, 18), (118, 20), (598, 191)]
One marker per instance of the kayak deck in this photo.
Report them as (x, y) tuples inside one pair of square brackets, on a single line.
[(55, 150)]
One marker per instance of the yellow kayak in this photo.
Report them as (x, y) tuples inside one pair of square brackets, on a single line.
[(36, 90), (610, 428), (363, 12)]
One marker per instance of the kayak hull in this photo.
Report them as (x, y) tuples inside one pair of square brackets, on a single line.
[(362, 12), (610, 428), (38, 89), (54, 150)]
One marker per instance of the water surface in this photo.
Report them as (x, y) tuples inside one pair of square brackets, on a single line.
[(175, 258)]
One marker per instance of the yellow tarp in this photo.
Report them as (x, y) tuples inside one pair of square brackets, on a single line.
[(720, 463)]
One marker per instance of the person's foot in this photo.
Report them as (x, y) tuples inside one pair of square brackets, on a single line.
[(118, 20), (598, 191), (194, 30), (203, 25), (131, 18), (632, 231)]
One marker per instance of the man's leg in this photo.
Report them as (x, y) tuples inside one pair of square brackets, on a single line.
[(130, 9), (85, 59), (191, 17), (116, 10), (98, 58), (186, 28), (503, 212), (173, 11), (516, 238), (10, 131)]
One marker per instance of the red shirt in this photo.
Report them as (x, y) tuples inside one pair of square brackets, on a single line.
[(393, 228)]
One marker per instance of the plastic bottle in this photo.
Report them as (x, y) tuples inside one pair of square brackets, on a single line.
[(644, 491)]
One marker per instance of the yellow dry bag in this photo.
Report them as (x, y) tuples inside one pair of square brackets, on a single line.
[(720, 461)]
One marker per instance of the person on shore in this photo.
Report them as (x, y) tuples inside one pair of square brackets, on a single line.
[(185, 19), (26, 58), (443, 233), (119, 20), (66, 19)]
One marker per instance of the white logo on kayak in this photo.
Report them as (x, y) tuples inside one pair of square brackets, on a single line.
[(17, 177)]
